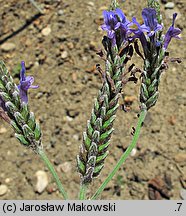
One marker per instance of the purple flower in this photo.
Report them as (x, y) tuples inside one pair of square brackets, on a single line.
[(123, 24), (116, 25), (172, 32), (110, 25), (25, 83), (138, 33), (151, 25)]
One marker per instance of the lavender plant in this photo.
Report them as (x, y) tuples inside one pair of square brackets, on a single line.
[(119, 43), (15, 111)]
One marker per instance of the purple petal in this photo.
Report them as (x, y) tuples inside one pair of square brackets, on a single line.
[(120, 14), (149, 17), (172, 32), (22, 72), (111, 34)]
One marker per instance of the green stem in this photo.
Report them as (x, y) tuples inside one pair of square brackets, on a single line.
[(53, 172), (82, 194), (124, 156), (36, 6)]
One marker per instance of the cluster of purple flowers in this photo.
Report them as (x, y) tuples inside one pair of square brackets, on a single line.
[(115, 22), (116, 25)]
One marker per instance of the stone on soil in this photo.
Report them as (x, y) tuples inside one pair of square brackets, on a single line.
[(3, 189), (42, 181), (6, 47)]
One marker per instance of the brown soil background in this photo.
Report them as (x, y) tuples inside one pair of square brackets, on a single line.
[(64, 101)]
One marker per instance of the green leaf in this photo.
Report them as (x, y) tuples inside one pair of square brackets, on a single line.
[(109, 122), (144, 90), (118, 85), (102, 157), (19, 118), (152, 100), (106, 134), (103, 112), (21, 139), (31, 121), (15, 127), (153, 86), (96, 105), (2, 87), (106, 101), (9, 86), (89, 128), (98, 169), (11, 108), (106, 89), (5, 96), (93, 117), (80, 165), (103, 146), (112, 111), (98, 124), (27, 131), (37, 131), (25, 111), (87, 141)]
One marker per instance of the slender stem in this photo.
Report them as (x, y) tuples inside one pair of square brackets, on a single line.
[(82, 194), (53, 172), (124, 156), (36, 6)]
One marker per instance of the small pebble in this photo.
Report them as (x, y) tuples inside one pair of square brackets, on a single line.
[(91, 4), (60, 12), (3, 130), (7, 180), (42, 181), (46, 31), (6, 47), (3, 189), (65, 167), (183, 194), (76, 137), (169, 5), (64, 54), (70, 45), (68, 118), (133, 152), (180, 157)]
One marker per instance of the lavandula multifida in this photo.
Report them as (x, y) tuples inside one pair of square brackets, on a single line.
[(118, 50), (154, 45), (15, 110)]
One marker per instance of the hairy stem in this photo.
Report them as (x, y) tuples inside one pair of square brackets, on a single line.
[(53, 172), (124, 156)]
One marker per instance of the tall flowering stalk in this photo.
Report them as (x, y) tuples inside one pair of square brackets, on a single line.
[(96, 139), (154, 45), (14, 105), (15, 111)]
